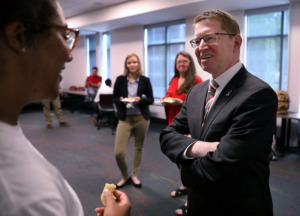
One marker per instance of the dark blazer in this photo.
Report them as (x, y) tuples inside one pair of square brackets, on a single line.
[(233, 180), (144, 91)]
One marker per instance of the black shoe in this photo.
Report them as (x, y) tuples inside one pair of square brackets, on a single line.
[(126, 183), (137, 185)]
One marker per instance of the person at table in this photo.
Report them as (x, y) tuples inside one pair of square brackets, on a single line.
[(222, 136), (35, 45), (134, 116), (93, 83), (103, 90)]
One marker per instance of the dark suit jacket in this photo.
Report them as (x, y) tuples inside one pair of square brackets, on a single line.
[(144, 92), (233, 180)]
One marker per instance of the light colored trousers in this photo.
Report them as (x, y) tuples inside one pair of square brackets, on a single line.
[(137, 125), (56, 107)]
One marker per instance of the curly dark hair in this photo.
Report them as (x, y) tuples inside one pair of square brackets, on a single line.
[(24, 11)]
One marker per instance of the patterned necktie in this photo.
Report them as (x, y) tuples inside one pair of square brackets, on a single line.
[(213, 85)]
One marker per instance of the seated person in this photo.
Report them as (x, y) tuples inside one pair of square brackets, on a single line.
[(93, 82), (106, 89)]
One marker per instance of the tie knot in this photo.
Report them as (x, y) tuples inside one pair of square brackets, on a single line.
[(213, 85)]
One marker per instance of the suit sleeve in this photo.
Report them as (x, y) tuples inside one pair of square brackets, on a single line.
[(246, 144), (244, 130), (173, 140)]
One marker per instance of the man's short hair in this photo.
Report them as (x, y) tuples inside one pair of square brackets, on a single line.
[(96, 68), (108, 82), (227, 21)]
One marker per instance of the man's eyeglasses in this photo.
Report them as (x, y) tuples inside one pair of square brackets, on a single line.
[(70, 34), (209, 38), (183, 62)]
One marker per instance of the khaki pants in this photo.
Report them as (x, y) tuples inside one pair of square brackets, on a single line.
[(57, 110), (139, 126)]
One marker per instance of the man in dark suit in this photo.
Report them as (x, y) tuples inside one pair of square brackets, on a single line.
[(224, 156)]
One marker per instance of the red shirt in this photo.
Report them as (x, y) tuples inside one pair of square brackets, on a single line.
[(172, 92), (94, 79)]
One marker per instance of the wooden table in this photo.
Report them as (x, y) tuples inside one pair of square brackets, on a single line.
[(284, 143)]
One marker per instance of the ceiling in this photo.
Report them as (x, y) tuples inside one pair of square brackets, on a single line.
[(76, 7), (107, 15)]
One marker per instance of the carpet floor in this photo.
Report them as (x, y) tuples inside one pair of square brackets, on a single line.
[(84, 155)]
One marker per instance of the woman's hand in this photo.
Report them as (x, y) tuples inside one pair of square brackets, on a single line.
[(136, 100), (162, 101), (121, 98), (177, 102), (119, 207)]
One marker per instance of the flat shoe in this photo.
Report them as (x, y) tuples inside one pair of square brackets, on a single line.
[(124, 184), (137, 185), (64, 124)]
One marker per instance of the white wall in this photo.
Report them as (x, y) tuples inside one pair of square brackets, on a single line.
[(294, 68), (75, 72), (124, 42), (293, 57)]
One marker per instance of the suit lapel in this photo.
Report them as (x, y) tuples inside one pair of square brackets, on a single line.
[(195, 108), (199, 104), (226, 95)]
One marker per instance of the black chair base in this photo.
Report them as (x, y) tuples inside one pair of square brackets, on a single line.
[(107, 119)]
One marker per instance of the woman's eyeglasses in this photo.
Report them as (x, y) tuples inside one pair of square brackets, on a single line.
[(183, 62), (70, 34)]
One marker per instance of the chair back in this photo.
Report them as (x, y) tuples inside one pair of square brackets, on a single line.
[(81, 88), (106, 102), (73, 88)]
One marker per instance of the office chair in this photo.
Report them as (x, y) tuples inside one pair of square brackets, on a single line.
[(81, 88), (107, 112), (73, 88)]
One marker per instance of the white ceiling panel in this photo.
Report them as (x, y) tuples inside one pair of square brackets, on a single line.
[(76, 7), (107, 15)]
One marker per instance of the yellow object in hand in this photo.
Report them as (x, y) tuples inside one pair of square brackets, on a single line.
[(168, 99), (111, 188)]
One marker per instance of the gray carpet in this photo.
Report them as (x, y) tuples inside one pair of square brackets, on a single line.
[(85, 157)]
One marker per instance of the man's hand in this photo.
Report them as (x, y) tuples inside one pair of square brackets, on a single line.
[(200, 149)]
